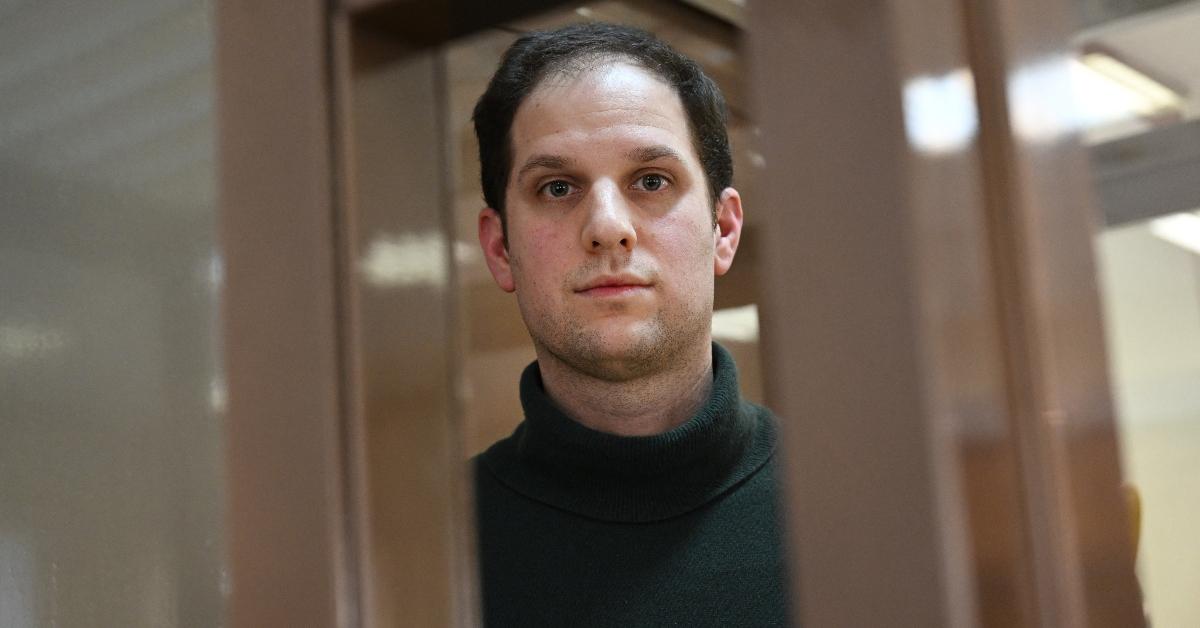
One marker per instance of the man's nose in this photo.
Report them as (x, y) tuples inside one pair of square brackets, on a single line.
[(609, 220)]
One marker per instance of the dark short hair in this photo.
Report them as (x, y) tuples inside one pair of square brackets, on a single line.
[(537, 55)]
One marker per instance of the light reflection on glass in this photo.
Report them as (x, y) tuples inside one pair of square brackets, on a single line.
[(1181, 229), (1093, 93), (406, 260), (25, 341), (1042, 100), (413, 259), (940, 116), (738, 324)]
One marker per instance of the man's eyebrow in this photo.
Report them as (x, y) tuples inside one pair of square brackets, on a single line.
[(644, 154), (552, 162)]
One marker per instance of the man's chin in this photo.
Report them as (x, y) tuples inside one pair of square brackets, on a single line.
[(614, 356)]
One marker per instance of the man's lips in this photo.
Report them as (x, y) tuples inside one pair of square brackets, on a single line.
[(613, 286), (613, 291)]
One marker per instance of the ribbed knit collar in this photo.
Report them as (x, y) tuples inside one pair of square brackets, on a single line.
[(554, 459)]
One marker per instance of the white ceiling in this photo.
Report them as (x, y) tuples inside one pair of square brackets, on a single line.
[(1164, 44)]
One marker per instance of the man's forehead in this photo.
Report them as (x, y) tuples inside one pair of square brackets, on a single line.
[(615, 100)]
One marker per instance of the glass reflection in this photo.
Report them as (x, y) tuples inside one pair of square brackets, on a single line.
[(940, 116), (110, 402)]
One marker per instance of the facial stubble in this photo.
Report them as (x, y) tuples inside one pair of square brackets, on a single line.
[(655, 344)]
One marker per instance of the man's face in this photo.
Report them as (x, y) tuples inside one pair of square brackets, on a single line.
[(611, 245)]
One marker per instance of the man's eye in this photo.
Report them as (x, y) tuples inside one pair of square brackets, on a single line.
[(557, 189), (652, 182)]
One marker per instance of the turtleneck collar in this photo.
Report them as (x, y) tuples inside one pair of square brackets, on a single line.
[(554, 459)]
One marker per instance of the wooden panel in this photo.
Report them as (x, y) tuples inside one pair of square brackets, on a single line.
[(287, 545)]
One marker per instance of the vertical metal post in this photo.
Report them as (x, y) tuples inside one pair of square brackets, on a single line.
[(286, 524), (1042, 219), (856, 361)]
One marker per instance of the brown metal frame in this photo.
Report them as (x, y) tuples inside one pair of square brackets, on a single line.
[(401, 341), (873, 296), (289, 549), (1042, 219), (404, 343)]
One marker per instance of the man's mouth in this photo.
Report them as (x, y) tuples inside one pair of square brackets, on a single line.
[(612, 286)]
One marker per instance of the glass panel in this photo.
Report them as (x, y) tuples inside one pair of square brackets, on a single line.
[(110, 395), (1138, 79)]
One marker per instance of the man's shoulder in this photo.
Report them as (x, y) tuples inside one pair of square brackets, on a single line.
[(764, 422), (488, 466)]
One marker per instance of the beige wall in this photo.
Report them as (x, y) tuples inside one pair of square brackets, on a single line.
[(1152, 306), (1163, 460)]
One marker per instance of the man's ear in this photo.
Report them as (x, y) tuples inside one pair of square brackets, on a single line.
[(495, 249), (728, 230)]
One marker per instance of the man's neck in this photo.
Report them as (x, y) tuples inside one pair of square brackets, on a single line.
[(642, 406)]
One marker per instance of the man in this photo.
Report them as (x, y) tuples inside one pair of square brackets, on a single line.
[(639, 490)]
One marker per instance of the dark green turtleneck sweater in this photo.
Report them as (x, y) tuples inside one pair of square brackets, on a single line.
[(582, 528)]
